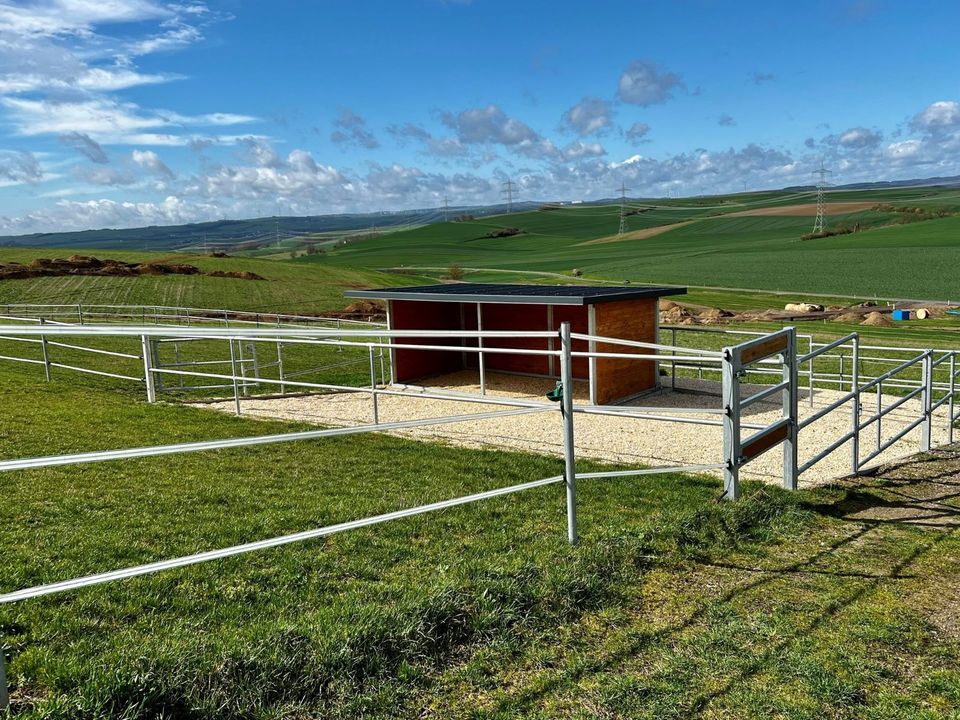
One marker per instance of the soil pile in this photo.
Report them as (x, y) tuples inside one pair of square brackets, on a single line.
[(89, 265)]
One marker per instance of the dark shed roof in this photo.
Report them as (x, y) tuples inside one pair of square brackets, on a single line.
[(520, 294)]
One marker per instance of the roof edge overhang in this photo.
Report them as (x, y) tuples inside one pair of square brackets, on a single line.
[(627, 294)]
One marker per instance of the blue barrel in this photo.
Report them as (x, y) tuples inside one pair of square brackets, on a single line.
[(901, 314)]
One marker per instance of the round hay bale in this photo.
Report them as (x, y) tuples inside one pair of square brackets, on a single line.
[(876, 319), (923, 314)]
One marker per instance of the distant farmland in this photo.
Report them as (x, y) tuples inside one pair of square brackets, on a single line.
[(714, 243)]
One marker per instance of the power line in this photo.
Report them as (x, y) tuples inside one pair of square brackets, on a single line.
[(509, 188), (822, 173), (623, 208)]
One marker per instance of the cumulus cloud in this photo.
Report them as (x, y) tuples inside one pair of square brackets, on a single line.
[(446, 147), (645, 83), (149, 160), (759, 78), (351, 129), (938, 117), (489, 124), (86, 146), (726, 120), (637, 132), (859, 137), (578, 150), (590, 115)]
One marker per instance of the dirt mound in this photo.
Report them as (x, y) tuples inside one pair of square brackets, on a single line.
[(238, 274), (715, 314), (850, 317), (365, 307), (89, 265), (876, 319)]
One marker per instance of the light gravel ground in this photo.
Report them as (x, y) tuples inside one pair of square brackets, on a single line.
[(609, 439)]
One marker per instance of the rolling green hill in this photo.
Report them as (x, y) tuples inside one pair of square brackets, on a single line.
[(289, 287), (714, 243)]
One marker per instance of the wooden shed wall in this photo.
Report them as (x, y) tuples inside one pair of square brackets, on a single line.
[(414, 364), (619, 378)]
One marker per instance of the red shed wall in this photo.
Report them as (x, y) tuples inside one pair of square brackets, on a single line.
[(414, 364)]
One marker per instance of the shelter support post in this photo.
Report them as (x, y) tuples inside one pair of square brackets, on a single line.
[(480, 361), (566, 409)]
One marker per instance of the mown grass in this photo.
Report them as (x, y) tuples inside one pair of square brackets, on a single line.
[(672, 605)]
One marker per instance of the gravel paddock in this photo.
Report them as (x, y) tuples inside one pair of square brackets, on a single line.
[(608, 439)]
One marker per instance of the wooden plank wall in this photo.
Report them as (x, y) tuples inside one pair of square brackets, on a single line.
[(413, 364), (618, 378)]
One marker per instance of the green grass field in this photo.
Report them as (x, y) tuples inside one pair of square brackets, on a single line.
[(289, 287), (705, 248), (834, 602), (672, 606)]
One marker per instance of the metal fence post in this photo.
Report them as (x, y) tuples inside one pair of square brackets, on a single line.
[(283, 388), (4, 693), (855, 409), (46, 354), (80, 313), (731, 424), (373, 387), (953, 389), (233, 373), (566, 412), (791, 411), (148, 376), (927, 395), (810, 369)]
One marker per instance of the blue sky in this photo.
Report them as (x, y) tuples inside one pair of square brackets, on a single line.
[(119, 113)]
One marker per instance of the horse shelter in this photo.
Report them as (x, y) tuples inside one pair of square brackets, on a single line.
[(621, 312)]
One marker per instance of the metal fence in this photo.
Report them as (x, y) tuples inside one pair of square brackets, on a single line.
[(766, 355)]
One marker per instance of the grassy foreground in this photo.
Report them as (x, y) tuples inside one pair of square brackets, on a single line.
[(824, 603)]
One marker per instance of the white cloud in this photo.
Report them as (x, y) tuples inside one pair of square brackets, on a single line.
[(578, 150), (940, 116), (151, 161), (860, 137), (490, 124), (591, 115), (645, 83), (108, 120)]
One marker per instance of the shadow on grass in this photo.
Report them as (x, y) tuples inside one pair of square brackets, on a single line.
[(866, 510)]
